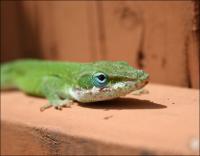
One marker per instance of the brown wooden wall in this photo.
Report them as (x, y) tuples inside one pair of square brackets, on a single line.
[(157, 36)]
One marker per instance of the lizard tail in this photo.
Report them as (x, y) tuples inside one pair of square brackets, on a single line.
[(7, 81)]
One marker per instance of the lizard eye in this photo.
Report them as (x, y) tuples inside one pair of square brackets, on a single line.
[(100, 79)]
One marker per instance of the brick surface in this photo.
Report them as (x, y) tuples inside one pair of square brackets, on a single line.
[(165, 121)]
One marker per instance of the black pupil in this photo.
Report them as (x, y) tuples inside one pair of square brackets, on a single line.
[(101, 77)]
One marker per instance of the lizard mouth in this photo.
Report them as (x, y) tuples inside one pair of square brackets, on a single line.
[(107, 93)]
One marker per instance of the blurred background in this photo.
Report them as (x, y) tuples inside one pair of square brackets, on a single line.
[(160, 37)]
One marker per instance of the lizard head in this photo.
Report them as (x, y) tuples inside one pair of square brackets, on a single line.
[(106, 80)]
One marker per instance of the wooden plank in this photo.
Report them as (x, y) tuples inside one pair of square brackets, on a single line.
[(166, 37), (153, 35), (193, 48), (64, 31), (10, 35), (94, 30), (123, 31), (163, 122)]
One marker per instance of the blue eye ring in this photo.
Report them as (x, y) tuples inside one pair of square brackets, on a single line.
[(100, 79)]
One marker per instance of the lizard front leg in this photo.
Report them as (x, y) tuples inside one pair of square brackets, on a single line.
[(57, 104), (55, 90)]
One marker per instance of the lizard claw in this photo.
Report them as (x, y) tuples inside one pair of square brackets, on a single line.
[(67, 105), (58, 107), (43, 108)]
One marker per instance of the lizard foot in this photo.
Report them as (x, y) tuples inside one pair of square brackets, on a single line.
[(58, 105)]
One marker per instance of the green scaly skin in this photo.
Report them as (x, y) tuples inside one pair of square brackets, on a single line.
[(64, 82)]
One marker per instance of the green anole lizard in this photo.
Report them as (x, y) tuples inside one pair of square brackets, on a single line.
[(64, 82)]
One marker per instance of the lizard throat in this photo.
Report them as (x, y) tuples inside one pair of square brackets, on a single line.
[(107, 93)]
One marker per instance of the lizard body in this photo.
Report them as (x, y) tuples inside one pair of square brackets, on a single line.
[(64, 82)]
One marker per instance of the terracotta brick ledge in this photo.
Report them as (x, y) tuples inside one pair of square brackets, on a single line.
[(165, 121)]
